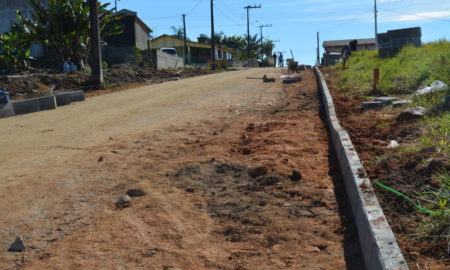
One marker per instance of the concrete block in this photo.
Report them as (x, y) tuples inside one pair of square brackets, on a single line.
[(372, 105), (63, 99), (27, 106), (401, 103), (6, 110), (47, 103), (386, 100), (76, 96)]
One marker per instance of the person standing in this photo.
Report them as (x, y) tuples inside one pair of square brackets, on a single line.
[(274, 59), (345, 54), (280, 60)]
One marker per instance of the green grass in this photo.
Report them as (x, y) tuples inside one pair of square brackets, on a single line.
[(409, 70)]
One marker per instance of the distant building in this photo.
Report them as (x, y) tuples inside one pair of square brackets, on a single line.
[(121, 48), (392, 41), (199, 52), (333, 48)]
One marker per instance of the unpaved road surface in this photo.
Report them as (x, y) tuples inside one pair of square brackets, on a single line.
[(192, 146)]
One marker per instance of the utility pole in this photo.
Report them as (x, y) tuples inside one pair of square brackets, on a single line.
[(96, 55), (376, 23), (248, 28), (186, 57), (261, 28), (116, 5), (213, 49), (318, 50)]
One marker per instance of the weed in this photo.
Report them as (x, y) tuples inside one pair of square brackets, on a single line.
[(437, 226)]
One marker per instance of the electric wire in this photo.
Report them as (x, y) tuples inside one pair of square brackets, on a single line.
[(417, 15)]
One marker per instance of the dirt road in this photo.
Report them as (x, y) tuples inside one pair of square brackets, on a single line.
[(192, 146)]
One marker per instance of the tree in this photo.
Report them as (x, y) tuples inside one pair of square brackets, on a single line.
[(267, 48), (177, 32), (63, 26), (15, 47)]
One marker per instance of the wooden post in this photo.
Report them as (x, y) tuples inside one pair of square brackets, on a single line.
[(96, 54), (376, 78)]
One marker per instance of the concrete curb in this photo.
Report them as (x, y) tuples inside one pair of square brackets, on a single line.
[(27, 106), (40, 104), (378, 244), (6, 110), (47, 103)]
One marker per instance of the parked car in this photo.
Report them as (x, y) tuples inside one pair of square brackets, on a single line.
[(170, 51)]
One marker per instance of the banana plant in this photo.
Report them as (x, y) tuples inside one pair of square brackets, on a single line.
[(15, 47)]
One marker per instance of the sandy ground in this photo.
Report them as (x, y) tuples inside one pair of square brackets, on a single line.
[(192, 146)]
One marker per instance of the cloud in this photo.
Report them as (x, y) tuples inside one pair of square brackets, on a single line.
[(423, 16)]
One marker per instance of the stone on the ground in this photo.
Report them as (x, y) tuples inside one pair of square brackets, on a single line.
[(387, 100), (412, 113), (295, 175), (17, 245), (257, 172), (135, 192), (372, 105), (123, 201), (401, 103)]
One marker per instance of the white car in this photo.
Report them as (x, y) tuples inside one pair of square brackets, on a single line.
[(170, 51)]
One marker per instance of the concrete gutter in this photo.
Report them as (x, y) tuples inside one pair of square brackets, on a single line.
[(378, 244)]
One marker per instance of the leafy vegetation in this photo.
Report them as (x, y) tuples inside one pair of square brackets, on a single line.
[(15, 47), (62, 26), (403, 74)]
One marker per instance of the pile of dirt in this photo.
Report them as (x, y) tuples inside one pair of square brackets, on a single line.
[(371, 132), (28, 86)]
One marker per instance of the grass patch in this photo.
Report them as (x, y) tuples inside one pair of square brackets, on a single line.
[(437, 226), (411, 69)]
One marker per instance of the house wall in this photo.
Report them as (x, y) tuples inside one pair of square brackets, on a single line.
[(360, 47), (141, 37), (165, 60)]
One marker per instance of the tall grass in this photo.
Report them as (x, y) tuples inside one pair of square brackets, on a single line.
[(409, 70)]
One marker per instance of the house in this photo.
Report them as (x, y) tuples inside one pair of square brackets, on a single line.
[(392, 41), (337, 45), (198, 52), (122, 47), (8, 10), (333, 48)]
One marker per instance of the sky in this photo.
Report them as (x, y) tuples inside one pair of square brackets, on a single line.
[(295, 22)]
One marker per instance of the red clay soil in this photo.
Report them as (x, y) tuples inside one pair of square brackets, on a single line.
[(371, 131), (206, 206)]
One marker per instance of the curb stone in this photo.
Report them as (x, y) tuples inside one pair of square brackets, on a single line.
[(378, 244)]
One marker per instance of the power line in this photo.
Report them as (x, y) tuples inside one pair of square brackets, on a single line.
[(417, 15), (175, 16), (192, 9), (347, 21), (226, 16)]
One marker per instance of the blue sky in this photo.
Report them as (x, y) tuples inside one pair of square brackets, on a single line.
[(295, 22)]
